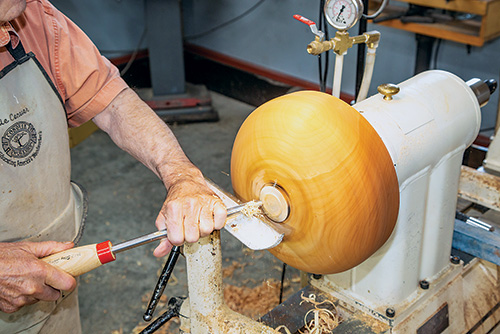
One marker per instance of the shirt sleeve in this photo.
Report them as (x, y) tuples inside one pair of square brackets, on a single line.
[(87, 81)]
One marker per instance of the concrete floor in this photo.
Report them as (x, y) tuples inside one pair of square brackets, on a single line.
[(124, 200)]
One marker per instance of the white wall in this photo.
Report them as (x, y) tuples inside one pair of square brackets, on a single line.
[(271, 38)]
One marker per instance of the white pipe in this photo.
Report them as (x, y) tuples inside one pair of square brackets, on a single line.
[(367, 75), (337, 75), (378, 12)]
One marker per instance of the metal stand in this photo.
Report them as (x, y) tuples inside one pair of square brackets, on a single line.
[(206, 311), (169, 96), (195, 105), (424, 53)]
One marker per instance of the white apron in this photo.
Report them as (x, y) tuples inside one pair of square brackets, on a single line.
[(38, 202)]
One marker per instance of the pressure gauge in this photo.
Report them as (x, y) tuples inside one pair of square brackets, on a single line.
[(343, 14)]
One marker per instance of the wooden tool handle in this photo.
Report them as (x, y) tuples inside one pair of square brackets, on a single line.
[(78, 261)]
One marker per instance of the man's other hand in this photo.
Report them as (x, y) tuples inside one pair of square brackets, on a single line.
[(25, 280)]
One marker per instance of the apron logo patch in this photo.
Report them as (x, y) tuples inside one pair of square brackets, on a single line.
[(20, 144)]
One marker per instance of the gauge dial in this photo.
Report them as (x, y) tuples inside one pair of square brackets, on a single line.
[(343, 14)]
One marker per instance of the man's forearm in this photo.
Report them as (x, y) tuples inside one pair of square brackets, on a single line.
[(136, 129), (191, 209)]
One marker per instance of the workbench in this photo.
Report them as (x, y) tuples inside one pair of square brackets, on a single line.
[(469, 22), (481, 26)]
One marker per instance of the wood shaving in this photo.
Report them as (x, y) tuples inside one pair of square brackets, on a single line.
[(251, 209), (253, 302), (247, 251), (252, 253), (229, 271), (173, 281), (278, 329), (249, 280), (161, 303), (323, 320)]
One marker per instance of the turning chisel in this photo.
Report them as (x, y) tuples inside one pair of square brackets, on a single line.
[(79, 260)]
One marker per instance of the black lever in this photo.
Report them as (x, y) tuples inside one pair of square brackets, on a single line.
[(162, 283), (174, 306)]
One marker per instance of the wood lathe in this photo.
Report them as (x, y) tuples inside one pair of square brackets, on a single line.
[(365, 195), (364, 198)]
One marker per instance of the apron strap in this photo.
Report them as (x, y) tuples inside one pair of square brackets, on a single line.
[(20, 56), (18, 53)]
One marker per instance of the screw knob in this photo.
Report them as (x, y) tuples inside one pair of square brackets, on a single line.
[(390, 312), (455, 259), (388, 90), (424, 284)]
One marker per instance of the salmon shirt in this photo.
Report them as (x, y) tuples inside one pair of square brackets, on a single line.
[(86, 81)]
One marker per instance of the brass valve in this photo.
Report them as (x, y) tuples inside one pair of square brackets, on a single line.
[(317, 46), (343, 42)]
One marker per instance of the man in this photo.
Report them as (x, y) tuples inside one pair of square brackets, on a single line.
[(54, 76)]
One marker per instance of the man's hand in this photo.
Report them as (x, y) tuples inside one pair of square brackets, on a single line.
[(191, 211), (24, 279)]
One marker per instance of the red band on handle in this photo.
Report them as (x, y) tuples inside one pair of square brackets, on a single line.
[(303, 19), (104, 252)]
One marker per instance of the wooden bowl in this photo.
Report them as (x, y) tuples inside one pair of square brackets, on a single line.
[(324, 176)]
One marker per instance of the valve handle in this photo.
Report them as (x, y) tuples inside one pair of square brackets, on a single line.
[(311, 25), (304, 20)]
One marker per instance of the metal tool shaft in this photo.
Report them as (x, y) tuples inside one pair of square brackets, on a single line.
[(121, 247), (474, 221)]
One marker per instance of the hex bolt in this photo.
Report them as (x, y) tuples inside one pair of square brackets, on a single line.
[(455, 259), (424, 284), (390, 312)]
